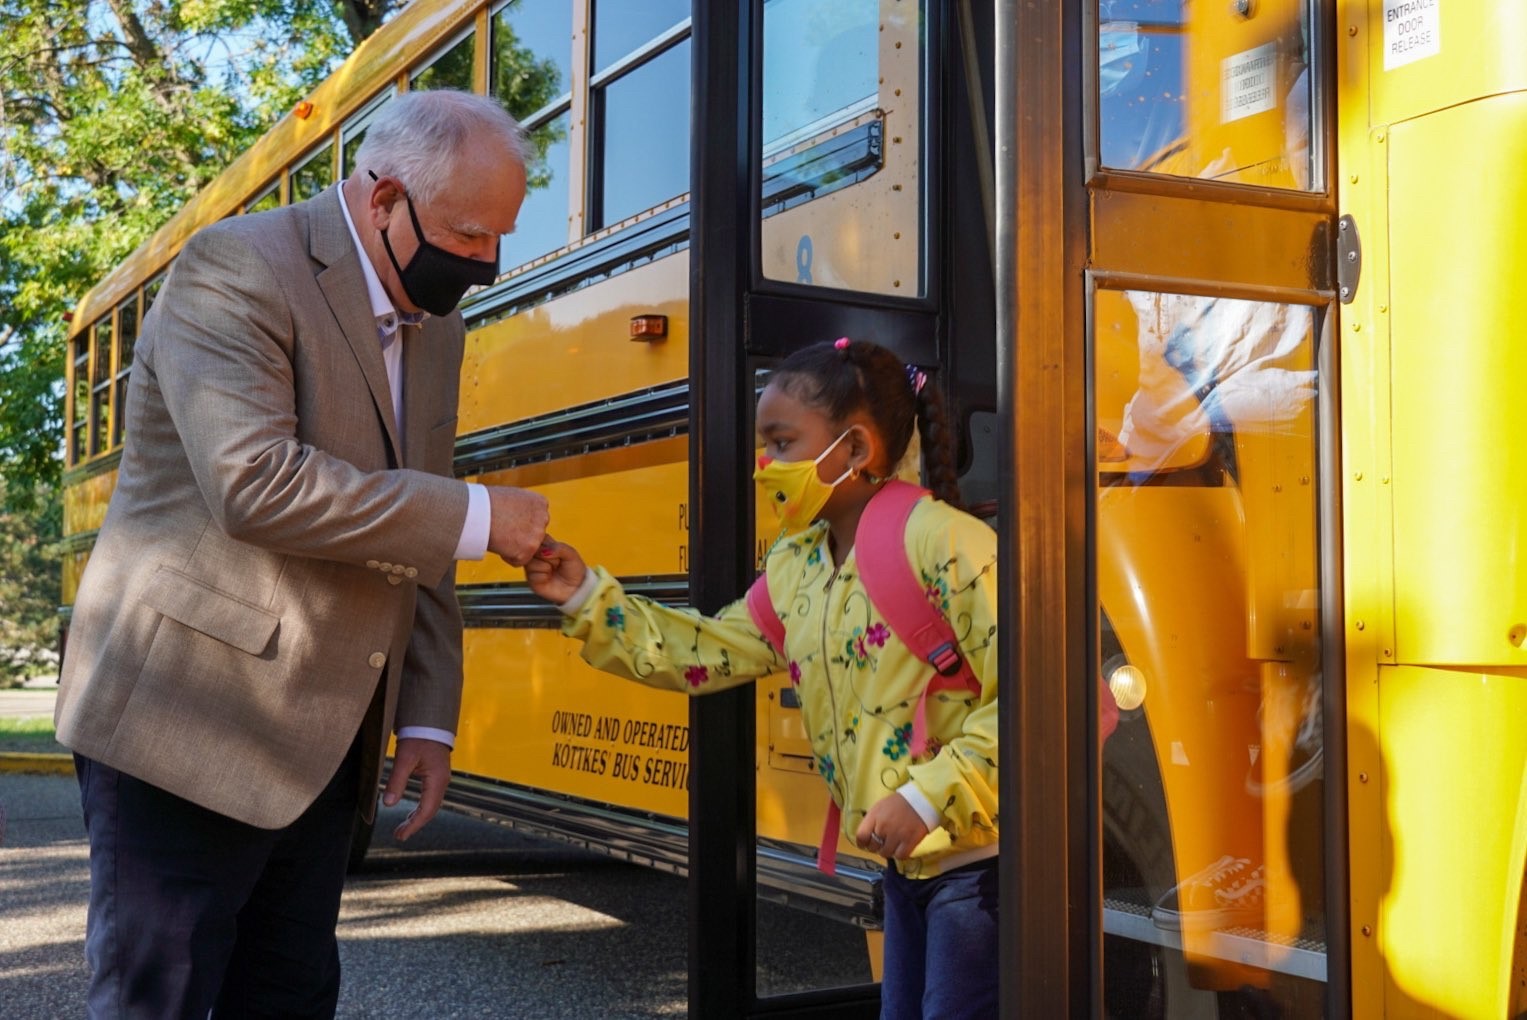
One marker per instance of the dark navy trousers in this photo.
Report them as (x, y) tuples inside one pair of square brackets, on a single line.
[(193, 912), (941, 945)]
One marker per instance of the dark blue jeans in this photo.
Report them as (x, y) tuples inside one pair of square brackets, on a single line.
[(193, 911), (941, 945)]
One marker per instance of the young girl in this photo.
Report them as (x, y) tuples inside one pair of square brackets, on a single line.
[(835, 420)]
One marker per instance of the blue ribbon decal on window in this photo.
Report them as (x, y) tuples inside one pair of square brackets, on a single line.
[(803, 260)]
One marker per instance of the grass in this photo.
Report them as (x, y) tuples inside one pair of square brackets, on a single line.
[(34, 736)]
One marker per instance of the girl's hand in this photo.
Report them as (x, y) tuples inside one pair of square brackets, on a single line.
[(556, 571), (891, 828)]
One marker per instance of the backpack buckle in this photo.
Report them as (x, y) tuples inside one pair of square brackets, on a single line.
[(946, 659)]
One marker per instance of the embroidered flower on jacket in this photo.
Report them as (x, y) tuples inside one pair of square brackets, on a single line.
[(696, 675), (854, 650), (877, 634), (827, 768), (937, 591), (615, 618), (795, 672), (896, 743), (814, 557)]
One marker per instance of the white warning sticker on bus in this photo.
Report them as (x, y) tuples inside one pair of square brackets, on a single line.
[(1412, 30), (1246, 83)]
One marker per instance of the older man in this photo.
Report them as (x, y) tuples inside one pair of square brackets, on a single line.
[(272, 592)]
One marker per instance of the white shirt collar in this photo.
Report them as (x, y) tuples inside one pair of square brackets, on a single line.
[(387, 314)]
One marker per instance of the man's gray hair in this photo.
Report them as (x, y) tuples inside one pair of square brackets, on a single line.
[(418, 137)]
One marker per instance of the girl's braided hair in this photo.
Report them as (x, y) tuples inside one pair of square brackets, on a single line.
[(847, 377)]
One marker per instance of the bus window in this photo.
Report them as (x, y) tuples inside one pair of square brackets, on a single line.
[(641, 103), (1208, 579), (450, 69), (100, 386), (313, 174), (531, 74), (1247, 116), (127, 337), (542, 223), (151, 291), (842, 105), (81, 397), (621, 27), (353, 132), (270, 198)]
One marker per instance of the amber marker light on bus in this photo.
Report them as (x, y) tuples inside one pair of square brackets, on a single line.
[(303, 110), (647, 328)]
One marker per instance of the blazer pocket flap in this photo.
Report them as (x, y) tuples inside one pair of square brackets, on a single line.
[(214, 613)]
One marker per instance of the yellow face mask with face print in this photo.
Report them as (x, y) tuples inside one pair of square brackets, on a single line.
[(795, 490)]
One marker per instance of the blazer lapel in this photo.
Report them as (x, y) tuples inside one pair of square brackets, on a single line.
[(344, 286)]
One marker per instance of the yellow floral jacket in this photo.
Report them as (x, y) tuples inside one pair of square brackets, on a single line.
[(858, 684)]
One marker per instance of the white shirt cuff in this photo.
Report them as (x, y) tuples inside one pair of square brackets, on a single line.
[(921, 804), (579, 597), (474, 531), (445, 737)]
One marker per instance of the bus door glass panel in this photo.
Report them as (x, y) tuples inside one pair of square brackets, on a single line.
[(640, 98), (1202, 90), (530, 73), (842, 129), (313, 174), (127, 339), (100, 386), (1207, 577), (450, 68)]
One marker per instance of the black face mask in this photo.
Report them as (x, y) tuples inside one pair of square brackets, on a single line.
[(434, 278)]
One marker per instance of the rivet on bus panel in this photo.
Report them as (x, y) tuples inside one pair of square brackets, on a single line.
[(1367, 929), (1362, 777), (1351, 29), (1360, 625), (1517, 634)]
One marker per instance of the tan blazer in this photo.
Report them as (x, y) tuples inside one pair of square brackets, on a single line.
[(269, 546)]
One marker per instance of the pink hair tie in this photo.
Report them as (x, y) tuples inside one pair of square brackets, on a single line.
[(841, 343)]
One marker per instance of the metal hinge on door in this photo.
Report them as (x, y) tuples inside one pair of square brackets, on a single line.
[(1349, 259)]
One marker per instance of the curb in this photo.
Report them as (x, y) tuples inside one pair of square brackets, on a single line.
[(37, 764)]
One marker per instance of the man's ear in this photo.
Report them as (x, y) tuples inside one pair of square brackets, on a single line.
[(384, 198)]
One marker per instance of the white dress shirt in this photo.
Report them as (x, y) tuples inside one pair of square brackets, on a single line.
[(473, 544)]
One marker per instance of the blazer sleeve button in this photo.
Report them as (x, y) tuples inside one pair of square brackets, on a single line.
[(373, 564), (377, 660), (411, 572), (394, 579)]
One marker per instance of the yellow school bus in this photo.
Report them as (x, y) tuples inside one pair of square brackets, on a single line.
[(1225, 293)]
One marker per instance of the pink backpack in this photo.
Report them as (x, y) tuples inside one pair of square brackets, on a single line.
[(880, 551)]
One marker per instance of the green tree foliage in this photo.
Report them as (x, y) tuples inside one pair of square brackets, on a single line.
[(28, 588), (112, 114)]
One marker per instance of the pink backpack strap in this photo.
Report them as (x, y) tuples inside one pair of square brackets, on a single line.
[(881, 551), (761, 609), (764, 616)]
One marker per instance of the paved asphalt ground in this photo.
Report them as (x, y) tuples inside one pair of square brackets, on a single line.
[(471, 920)]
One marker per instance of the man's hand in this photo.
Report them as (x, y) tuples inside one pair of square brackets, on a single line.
[(556, 572), (518, 521), (891, 828), (431, 761)]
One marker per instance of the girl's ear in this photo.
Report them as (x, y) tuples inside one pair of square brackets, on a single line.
[(864, 447)]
